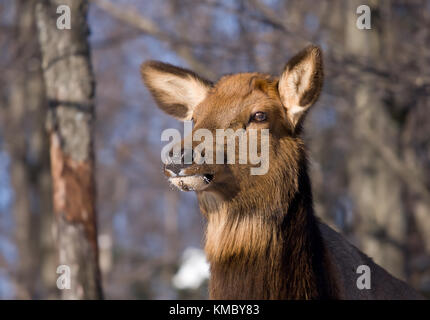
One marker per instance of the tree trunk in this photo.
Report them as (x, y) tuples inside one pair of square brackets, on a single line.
[(375, 188), (70, 91), (27, 145)]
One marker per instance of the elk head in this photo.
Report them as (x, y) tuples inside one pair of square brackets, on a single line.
[(246, 102)]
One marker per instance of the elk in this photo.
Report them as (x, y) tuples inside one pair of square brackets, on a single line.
[(263, 240)]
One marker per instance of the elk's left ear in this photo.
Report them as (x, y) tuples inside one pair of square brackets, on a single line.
[(300, 83)]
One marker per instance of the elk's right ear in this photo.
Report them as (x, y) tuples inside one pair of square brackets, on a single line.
[(177, 91)]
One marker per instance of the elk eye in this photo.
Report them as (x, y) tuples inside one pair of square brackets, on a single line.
[(259, 116)]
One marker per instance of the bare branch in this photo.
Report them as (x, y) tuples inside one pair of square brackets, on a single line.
[(408, 174), (134, 19)]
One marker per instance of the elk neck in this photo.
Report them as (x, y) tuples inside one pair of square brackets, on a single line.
[(266, 243)]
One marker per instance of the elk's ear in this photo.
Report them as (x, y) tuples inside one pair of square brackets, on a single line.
[(300, 83), (177, 91)]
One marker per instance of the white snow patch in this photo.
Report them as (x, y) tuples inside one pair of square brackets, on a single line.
[(194, 269)]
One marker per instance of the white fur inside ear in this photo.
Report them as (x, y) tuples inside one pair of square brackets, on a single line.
[(293, 84), (186, 91), (294, 113), (300, 83)]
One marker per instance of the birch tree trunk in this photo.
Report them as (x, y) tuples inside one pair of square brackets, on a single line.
[(70, 91)]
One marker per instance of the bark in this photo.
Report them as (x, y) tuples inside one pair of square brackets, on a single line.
[(70, 90)]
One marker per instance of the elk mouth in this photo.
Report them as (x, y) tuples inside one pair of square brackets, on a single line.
[(195, 182), (208, 177)]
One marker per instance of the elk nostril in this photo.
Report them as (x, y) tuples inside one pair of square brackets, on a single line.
[(208, 178), (173, 168)]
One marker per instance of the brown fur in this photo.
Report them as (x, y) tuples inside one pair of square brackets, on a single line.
[(262, 239)]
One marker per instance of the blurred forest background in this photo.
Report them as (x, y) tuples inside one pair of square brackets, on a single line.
[(368, 136)]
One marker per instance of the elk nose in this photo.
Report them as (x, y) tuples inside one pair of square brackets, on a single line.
[(177, 163)]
